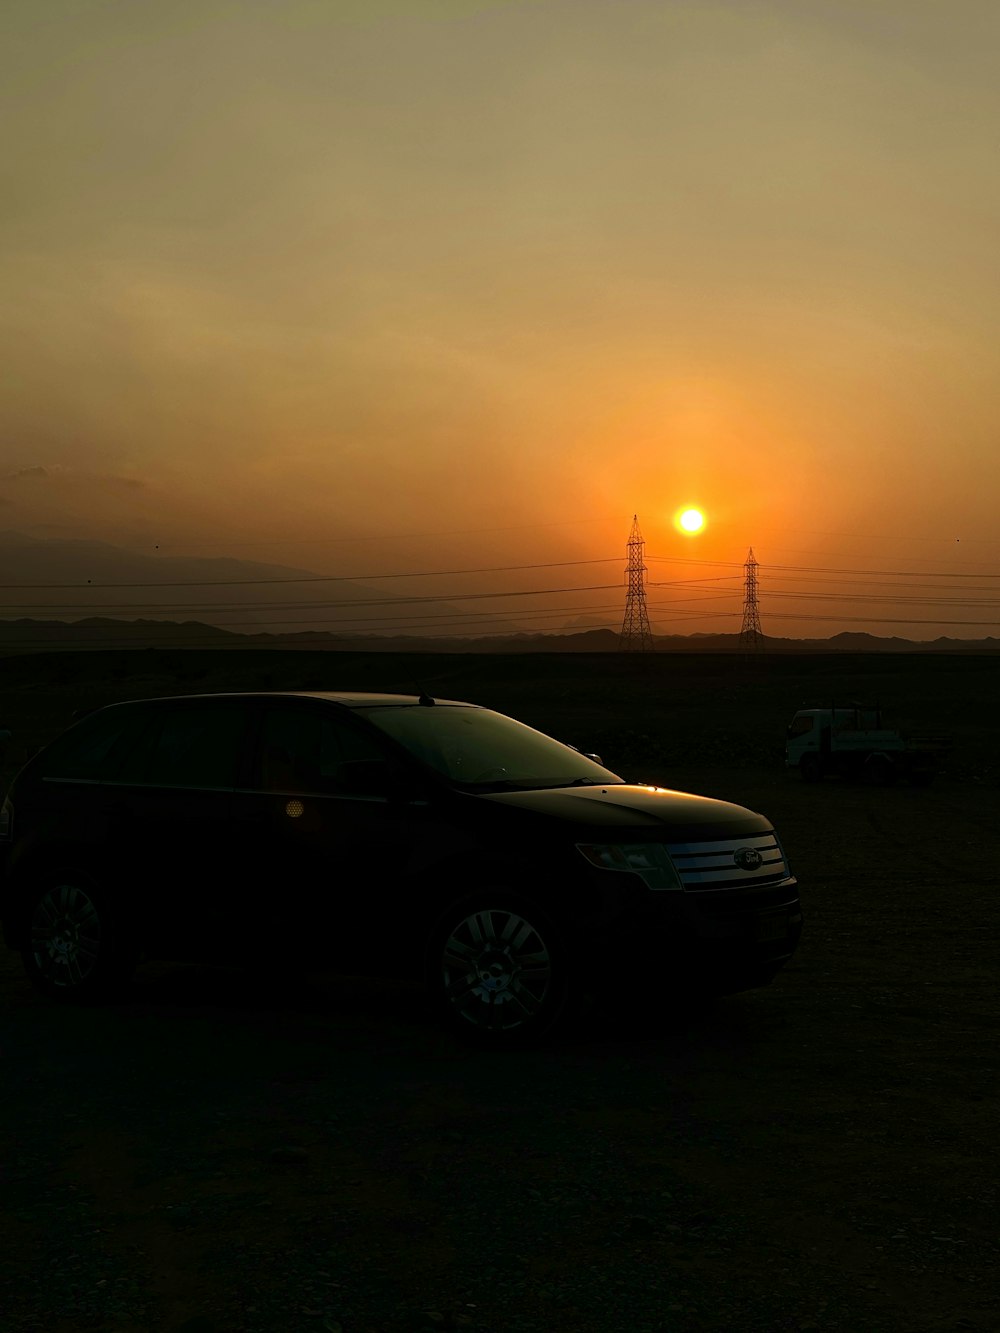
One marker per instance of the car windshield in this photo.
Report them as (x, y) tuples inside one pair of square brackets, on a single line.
[(476, 748)]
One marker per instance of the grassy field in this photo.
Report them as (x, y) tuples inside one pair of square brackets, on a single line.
[(226, 1153)]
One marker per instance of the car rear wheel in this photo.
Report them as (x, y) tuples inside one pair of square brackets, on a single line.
[(73, 947), (498, 971)]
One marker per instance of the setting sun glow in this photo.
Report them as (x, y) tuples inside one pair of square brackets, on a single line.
[(691, 521)]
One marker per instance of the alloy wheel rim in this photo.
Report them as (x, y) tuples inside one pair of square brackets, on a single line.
[(65, 935), (497, 972)]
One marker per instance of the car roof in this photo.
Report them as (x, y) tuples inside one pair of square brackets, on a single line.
[(346, 698), (357, 699)]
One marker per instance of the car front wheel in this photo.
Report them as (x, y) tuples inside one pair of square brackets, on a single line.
[(73, 947), (498, 971)]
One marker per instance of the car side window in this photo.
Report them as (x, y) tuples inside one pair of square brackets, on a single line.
[(189, 746), (304, 753), (91, 750)]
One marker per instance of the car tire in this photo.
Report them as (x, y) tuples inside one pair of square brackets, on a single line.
[(498, 970), (74, 947)]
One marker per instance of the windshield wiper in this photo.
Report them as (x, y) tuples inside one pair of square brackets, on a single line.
[(533, 784)]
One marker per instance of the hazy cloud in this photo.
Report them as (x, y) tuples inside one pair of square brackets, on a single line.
[(59, 473), (20, 473), (346, 274)]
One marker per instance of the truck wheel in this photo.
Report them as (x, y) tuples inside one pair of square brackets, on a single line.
[(879, 771), (810, 768)]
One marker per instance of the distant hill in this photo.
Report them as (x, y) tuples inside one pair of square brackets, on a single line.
[(29, 635)]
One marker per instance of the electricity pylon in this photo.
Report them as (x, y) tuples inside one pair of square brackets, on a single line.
[(751, 635), (636, 636)]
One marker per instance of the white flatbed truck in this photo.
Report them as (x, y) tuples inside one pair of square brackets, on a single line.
[(850, 741)]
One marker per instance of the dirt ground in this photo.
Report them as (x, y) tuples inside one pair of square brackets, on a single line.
[(219, 1152)]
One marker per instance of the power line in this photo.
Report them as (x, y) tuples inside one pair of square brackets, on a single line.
[(828, 569), (489, 569), (416, 601), (880, 597), (129, 639), (883, 573), (683, 583), (881, 620), (32, 608), (316, 578), (203, 607), (379, 623), (393, 601), (876, 583), (442, 618)]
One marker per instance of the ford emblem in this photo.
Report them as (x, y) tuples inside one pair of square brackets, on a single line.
[(748, 858)]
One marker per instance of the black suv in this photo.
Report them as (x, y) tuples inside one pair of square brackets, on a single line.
[(386, 835)]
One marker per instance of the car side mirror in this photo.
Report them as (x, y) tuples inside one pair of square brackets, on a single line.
[(596, 758)]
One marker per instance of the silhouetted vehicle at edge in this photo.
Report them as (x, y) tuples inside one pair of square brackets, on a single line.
[(382, 835)]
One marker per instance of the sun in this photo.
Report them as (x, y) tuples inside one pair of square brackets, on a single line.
[(690, 521)]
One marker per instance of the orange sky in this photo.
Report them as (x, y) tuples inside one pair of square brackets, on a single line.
[(365, 286)]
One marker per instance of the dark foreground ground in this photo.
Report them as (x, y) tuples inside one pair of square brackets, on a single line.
[(221, 1152)]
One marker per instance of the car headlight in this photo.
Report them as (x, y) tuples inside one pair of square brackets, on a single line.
[(648, 860)]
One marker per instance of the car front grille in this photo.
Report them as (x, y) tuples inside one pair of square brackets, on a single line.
[(729, 863)]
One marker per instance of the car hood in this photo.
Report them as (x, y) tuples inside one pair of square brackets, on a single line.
[(653, 809)]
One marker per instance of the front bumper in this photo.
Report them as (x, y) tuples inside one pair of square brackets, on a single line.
[(714, 941)]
